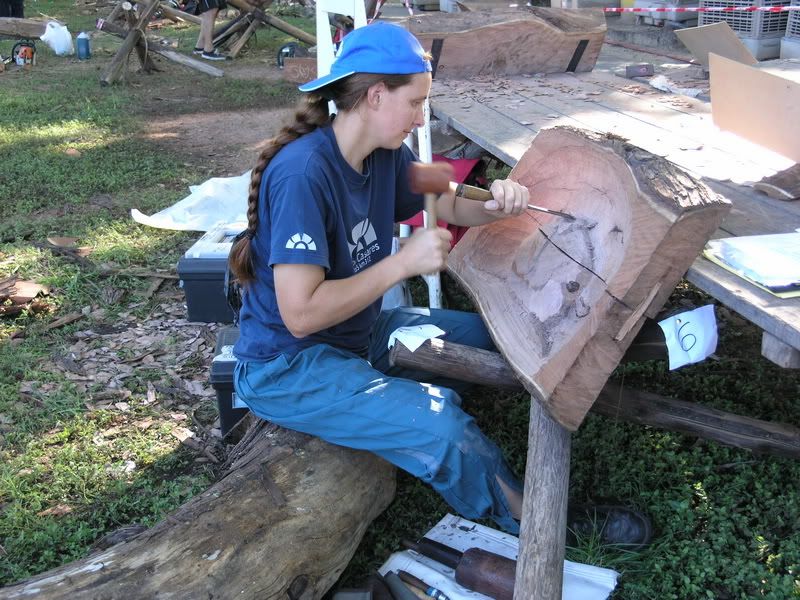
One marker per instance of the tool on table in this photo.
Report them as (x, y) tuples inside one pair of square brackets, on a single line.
[(436, 177), (475, 568), (416, 582), (431, 179)]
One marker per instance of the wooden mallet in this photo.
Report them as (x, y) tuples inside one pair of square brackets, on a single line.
[(431, 179), (435, 178)]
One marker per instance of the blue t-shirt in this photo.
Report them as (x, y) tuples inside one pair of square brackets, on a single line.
[(314, 208)]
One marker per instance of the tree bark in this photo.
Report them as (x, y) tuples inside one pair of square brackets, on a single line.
[(284, 521)]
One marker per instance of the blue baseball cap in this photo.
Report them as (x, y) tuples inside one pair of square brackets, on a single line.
[(382, 48)]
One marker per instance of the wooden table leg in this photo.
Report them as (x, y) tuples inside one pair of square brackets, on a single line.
[(540, 565)]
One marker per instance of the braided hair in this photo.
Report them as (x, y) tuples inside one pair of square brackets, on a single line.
[(312, 113)]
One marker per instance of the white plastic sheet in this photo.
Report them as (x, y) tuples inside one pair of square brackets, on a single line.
[(219, 200), (58, 38)]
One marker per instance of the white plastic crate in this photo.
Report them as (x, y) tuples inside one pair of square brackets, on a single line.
[(755, 25), (655, 18), (793, 25), (763, 48), (790, 47)]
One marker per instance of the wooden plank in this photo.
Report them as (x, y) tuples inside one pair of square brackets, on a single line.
[(781, 354), (299, 69), (504, 137), (718, 38), (512, 40), (777, 316), (759, 106)]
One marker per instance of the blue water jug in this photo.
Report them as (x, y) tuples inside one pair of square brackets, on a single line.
[(83, 46)]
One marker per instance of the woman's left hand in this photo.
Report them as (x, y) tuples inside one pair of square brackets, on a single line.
[(509, 198)]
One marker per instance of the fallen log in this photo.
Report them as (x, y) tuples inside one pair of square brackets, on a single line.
[(23, 28), (283, 521), (490, 368)]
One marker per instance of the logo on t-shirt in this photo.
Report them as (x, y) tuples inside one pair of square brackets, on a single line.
[(301, 241), (363, 242)]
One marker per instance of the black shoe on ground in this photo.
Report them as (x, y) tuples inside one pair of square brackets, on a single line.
[(613, 525), (213, 55), (197, 51)]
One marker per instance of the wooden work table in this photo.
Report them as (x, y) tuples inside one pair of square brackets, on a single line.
[(504, 115)]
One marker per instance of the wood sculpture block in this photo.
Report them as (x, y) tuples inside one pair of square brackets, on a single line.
[(564, 299), (510, 41)]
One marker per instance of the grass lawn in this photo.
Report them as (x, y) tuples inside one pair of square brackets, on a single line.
[(76, 157)]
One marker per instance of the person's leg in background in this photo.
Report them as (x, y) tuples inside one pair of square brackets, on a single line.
[(5, 8), (17, 9), (208, 9)]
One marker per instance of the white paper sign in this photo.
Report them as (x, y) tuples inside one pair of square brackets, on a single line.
[(413, 337), (691, 336)]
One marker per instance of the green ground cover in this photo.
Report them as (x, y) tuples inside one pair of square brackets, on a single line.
[(74, 163)]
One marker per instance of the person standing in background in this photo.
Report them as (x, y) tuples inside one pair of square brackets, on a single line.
[(12, 8), (208, 11)]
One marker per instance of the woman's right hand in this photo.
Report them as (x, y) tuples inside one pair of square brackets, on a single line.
[(426, 251)]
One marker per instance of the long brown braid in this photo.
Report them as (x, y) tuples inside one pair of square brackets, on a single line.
[(311, 114)]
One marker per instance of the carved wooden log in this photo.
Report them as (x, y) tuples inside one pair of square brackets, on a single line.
[(283, 522), (564, 299), (508, 41)]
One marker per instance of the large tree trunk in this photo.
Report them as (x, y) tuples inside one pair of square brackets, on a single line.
[(282, 523), (510, 41)]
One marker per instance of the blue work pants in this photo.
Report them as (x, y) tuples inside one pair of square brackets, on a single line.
[(407, 417)]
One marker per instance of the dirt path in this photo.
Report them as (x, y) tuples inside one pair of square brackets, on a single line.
[(227, 142)]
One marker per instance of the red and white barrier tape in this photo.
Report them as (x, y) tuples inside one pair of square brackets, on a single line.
[(772, 9)]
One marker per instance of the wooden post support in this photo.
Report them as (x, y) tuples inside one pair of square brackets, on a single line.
[(141, 45), (177, 57), (239, 44), (542, 536), (275, 22), (114, 69)]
